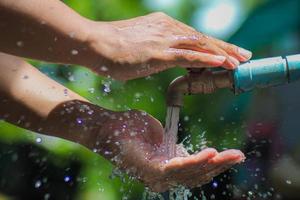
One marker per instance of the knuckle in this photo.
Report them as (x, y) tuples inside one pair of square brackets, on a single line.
[(234, 49), (231, 48)]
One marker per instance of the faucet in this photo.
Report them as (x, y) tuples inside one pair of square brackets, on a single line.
[(262, 73)]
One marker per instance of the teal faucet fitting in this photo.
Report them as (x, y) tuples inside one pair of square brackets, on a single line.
[(266, 73), (260, 73)]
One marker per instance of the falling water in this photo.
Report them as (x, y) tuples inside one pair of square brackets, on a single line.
[(171, 129)]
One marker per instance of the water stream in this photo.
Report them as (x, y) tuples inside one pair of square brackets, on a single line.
[(171, 129)]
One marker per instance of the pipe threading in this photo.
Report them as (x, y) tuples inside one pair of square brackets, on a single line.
[(203, 82)]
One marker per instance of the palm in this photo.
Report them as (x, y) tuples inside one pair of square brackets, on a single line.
[(141, 155)]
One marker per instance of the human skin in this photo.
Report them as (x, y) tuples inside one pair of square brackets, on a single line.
[(132, 140), (48, 30)]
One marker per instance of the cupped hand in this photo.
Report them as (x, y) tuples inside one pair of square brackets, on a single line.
[(135, 144), (149, 44)]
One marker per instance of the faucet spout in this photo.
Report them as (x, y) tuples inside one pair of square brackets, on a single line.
[(205, 82)]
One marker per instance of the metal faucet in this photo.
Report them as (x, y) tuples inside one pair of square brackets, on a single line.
[(260, 73)]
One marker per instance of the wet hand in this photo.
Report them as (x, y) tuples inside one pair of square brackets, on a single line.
[(149, 44), (136, 146)]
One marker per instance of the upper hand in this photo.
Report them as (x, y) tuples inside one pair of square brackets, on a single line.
[(149, 44)]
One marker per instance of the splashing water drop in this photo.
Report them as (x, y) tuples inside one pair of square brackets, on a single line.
[(215, 184), (47, 196), (38, 140), (91, 90), (71, 78), (186, 118), (72, 35), (20, 43), (74, 52), (67, 178), (66, 92), (38, 184), (79, 121), (104, 68), (106, 88)]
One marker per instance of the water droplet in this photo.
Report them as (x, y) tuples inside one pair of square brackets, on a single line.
[(133, 133), (137, 96), (47, 196), (72, 35), (66, 92), (20, 44), (79, 120), (74, 52), (67, 178), (215, 184), (71, 78), (38, 184), (38, 140), (186, 118), (116, 133), (104, 68), (91, 90), (106, 88)]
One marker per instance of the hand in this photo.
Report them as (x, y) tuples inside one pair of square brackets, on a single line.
[(133, 141), (149, 44), (136, 146)]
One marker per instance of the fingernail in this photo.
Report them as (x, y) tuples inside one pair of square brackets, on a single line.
[(234, 62), (245, 53), (220, 58)]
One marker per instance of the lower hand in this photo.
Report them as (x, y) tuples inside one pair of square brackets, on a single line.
[(133, 141), (139, 140)]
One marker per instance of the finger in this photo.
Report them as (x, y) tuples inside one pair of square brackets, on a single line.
[(190, 59), (218, 164), (206, 46), (237, 52), (228, 156), (183, 163)]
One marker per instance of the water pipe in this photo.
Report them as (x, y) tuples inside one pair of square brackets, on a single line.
[(260, 73)]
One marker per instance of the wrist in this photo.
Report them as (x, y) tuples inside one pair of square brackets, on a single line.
[(77, 121), (100, 46)]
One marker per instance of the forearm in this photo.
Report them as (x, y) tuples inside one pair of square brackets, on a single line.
[(28, 86), (44, 29), (30, 99)]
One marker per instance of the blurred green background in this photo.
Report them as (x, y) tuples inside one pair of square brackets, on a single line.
[(33, 166)]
